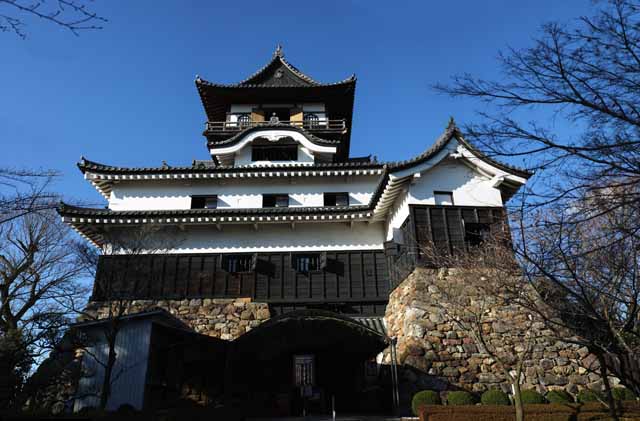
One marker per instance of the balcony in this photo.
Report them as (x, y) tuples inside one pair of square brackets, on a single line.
[(321, 126)]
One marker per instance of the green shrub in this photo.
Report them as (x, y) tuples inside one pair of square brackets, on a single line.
[(460, 398), (425, 397), (495, 397), (532, 397), (586, 395), (559, 396), (623, 394)]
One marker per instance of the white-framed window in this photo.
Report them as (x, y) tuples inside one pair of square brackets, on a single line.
[(443, 197)]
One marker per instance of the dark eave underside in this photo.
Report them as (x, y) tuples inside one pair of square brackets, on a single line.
[(70, 210)]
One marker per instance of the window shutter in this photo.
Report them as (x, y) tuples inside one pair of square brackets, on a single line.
[(257, 115), (221, 262), (296, 114), (342, 199), (322, 261)]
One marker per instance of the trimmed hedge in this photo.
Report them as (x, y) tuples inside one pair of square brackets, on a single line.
[(532, 397), (544, 412), (496, 413), (495, 397), (559, 397), (623, 394), (425, 397), (460, 398)]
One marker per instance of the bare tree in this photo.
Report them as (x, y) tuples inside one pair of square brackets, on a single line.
[(39, 278), (578, 222), (73, 15), (587, 274), (115, 289), (25, 191), (481, 287)]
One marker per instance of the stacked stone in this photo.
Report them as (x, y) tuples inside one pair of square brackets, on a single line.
[(226, 319), (433, 353)]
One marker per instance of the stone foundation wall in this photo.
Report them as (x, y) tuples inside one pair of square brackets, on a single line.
[(434, 354), (226, 319)]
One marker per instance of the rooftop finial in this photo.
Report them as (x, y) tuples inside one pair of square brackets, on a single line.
[(452, 123), (278, 52)]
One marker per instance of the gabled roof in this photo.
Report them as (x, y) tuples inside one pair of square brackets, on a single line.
[(452, 132), (277, 73), (400, 173)]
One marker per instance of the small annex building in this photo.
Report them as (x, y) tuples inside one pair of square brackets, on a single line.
[(281, 247)]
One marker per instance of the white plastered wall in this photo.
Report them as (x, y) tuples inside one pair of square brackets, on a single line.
[(238, 193), (243, 157)]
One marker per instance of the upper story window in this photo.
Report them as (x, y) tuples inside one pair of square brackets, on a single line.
[(204, 202), (336, 199), (311, 120), (443, 197), (235, 263), (244, 120), (274, 153), (307, 262), (275, 200)]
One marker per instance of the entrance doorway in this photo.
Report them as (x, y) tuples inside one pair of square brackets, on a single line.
[(300, 362)]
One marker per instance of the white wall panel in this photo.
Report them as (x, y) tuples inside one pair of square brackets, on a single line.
[(468, 186), (238, 193)]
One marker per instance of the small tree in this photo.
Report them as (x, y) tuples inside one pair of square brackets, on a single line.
[(484, 289)]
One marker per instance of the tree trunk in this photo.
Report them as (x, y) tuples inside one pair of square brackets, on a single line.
[(105, 393), (607, 388)]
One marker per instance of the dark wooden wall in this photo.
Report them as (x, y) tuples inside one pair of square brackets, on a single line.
[(353, 278), (443, 226)]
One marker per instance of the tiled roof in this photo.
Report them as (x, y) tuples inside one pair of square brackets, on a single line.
[(71, 210), (450, 132), (277, 73), (206, 167)]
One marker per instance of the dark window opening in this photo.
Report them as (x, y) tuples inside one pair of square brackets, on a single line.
[(306, 263), (277, 114), (336, 199), (311, 120), (275, 200), (443, 197), (476, 233), (238, 263), (274, 153), (204, 202)]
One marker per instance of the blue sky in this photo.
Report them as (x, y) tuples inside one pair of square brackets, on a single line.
[(125, 95)]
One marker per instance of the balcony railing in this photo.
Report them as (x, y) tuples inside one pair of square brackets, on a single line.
[(332, 126)]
